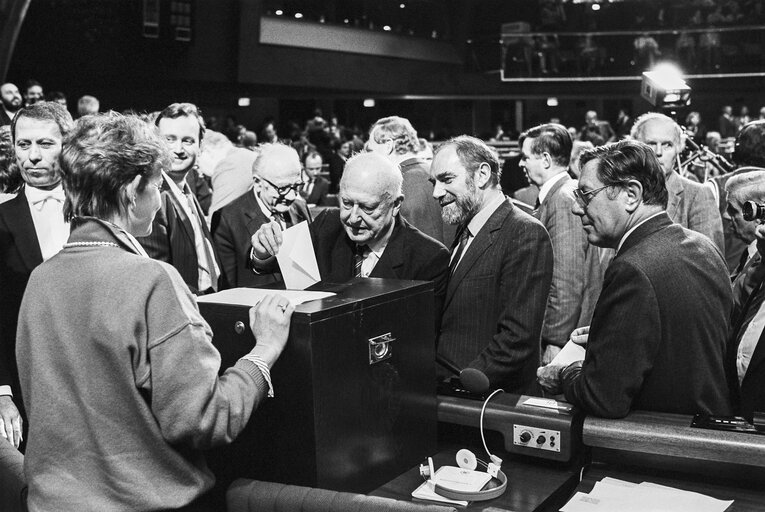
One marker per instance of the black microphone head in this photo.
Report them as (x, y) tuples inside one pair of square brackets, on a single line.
[(474, 381)]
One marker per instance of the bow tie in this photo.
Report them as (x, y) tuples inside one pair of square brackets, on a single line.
[(39, 197)]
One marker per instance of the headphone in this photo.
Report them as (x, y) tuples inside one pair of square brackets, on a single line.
[(467, 460)]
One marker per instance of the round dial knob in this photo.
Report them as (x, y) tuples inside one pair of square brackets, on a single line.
[(541, 440), (525, 436)]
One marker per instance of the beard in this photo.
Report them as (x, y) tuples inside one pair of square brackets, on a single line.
[(462, 208), (11, 107)]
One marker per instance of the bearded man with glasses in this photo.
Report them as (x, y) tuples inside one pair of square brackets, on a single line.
[(274, 198), (657, 340)]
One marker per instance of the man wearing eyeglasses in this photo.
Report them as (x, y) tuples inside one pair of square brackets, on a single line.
[(658, 335), (180, 235), (367, 236), (577, 275), (273, 199)]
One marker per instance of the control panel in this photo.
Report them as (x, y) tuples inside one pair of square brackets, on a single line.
[(537, 438)]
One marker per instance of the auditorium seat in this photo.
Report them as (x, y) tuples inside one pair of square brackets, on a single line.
[(13, 485), (252, 495)]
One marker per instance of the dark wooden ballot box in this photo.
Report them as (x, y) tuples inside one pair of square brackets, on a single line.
[(355, 393)]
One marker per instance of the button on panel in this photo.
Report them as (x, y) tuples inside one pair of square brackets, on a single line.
[(537, 438)]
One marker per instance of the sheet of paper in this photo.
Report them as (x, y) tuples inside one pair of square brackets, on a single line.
[(297, 260), (570, 353), (611, 494), (251, 296), (425, 492), (547, 403)]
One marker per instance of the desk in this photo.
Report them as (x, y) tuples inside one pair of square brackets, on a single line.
[(747, 499), (533, 485)]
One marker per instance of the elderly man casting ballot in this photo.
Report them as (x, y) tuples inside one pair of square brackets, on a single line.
[(118, 373)]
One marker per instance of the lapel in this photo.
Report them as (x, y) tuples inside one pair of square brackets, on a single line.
[(180, 213), (675, 192), (483, 240), (393, 256), (254, 217), (22, 227), (550, 193)]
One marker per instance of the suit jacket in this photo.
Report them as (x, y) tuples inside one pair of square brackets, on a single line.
[(318, 192), (693, 206), (577, 275), (172, 239), (419, 207), (4, 119), (495, 300), (410, 254), (232, 232), (19, 255), (657, 340), (752, 390)]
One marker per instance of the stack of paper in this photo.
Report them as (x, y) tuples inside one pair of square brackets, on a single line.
[(612, 494), (455, 479)]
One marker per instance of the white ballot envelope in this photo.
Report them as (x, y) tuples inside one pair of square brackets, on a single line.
[(297, 260), (570, 353)]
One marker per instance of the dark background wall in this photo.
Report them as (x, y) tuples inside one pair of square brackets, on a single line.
[(96, 47)]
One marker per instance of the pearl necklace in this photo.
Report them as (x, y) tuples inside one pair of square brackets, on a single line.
[(89, 244)]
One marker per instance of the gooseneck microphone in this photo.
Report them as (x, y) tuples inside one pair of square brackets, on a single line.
[(474, 380)]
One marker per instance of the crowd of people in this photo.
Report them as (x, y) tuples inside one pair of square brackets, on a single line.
[(113, 223)]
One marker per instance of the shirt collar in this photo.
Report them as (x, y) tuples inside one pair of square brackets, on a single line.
[(633, 228), (545, 188), (268, 213), (479, 219), (177, 190), (752, 248), (36, 196)]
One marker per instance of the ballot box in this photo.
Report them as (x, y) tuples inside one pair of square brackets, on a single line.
[(355, 388)]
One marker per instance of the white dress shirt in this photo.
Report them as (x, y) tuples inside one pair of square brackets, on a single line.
[(47, 209)]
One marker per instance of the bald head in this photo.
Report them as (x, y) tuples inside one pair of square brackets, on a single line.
[(11, 97), (374, 173), (370, 197), (277, 173)]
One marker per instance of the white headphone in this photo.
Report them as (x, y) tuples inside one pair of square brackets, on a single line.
[(467, 460)]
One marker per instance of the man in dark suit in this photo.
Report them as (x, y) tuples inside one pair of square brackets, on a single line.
[(500, 270), (690, 204), (273, 198), (32, 229), (315, 187), (367, 237), (11, 100), (179, 233), (577, 274), (747, 345), (749, 186), (747, 348), (658, 335), (394, 138)]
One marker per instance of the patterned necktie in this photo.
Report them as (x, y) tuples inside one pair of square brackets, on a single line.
[(358, 260), (458, 248)]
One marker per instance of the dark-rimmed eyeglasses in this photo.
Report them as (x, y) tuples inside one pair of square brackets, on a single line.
[(284, 190), (584, 198)]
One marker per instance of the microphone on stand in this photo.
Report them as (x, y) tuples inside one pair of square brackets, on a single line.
[(474, 380)]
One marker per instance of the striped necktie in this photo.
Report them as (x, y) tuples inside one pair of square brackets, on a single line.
[(459, 243), (358, 260)]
